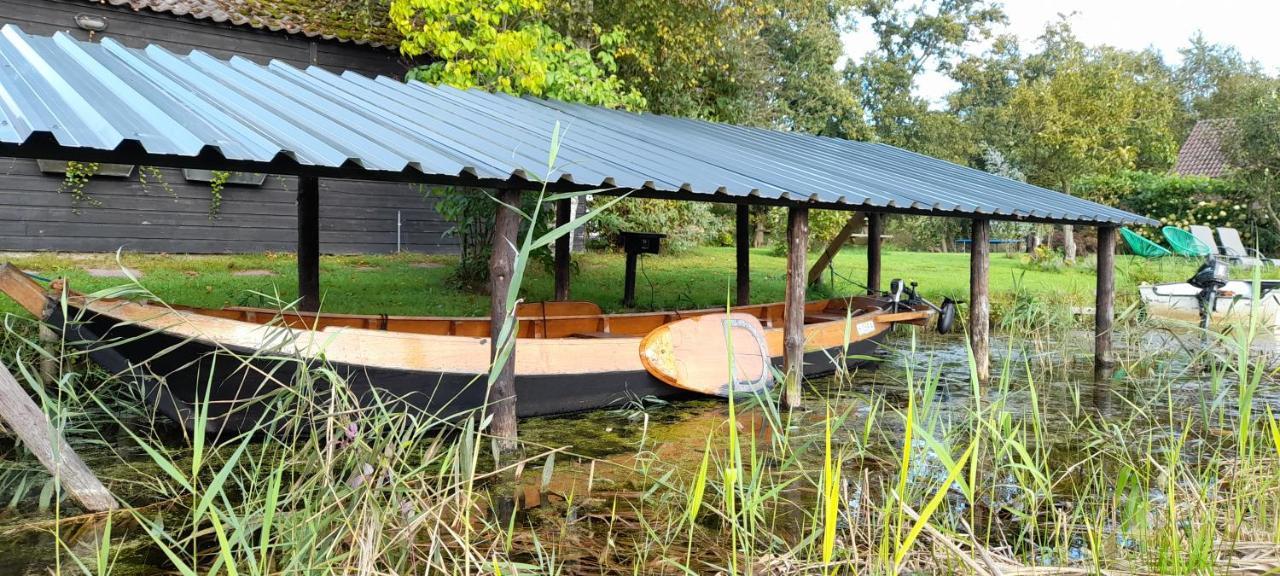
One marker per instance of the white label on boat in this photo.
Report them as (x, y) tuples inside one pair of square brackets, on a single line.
[(865, 328)]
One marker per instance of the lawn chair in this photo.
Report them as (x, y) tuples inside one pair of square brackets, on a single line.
[(1141, 246), (1184, 244), (1205, 236), (1233, 248)]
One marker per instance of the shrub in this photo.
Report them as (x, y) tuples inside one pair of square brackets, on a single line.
[(686, 224)]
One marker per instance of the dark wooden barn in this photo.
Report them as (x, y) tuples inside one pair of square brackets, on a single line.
[(170, 210)]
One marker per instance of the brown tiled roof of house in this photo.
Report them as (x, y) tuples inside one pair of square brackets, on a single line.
[(1202, 154), (362, 22)]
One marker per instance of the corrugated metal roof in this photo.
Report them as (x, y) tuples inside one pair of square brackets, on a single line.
[(64, 98)]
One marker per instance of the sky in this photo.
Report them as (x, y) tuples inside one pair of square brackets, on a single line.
[(1253, 26)]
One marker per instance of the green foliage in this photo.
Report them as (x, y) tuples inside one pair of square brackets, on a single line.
[(686, 224), (472, 212), (75, 181), (1254, 151), (216, 184), (1177, 201), (502, 45)]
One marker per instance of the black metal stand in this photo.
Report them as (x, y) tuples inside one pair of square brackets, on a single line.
[(635, 244)]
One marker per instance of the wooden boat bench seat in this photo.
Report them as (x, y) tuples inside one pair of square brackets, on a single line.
[(599, 335), (819, 317)]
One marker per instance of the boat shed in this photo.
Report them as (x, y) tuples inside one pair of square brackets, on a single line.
[(65, 99)]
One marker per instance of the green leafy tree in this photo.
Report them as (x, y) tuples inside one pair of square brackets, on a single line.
[(1087, 111), (502, 45), (1254, 150), (1215, 81)]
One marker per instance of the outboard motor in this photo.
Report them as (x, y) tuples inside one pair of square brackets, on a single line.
[(904, 298), (1210, 278)]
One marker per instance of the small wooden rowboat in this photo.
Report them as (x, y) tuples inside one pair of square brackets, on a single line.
[(570, 357)]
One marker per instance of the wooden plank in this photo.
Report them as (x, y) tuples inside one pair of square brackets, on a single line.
[(29, 295), (21, 415), (309, 244), (742, 246), (1104, 309), (875, 231), (851, 226), (979, 302), (502, 391), (563, 260), (794, 309)]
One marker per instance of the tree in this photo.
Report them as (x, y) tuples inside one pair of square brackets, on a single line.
[(1215, 81), (502, 45), (911, 39), (1080, 111), (1254, 150)]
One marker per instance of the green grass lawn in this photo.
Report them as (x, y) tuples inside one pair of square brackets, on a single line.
[(414, 284)]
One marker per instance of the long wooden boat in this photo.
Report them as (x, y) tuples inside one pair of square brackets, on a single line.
[(570, 357)]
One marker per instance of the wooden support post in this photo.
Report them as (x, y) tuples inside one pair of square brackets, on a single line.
[(875, 229), (742, 244), (21, 415), (793, 308), (502, 392), (979, 303), (308, 243), (564, 215), (829, 254), (1104, 307)]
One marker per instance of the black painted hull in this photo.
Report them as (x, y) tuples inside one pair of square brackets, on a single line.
[(241, 384)]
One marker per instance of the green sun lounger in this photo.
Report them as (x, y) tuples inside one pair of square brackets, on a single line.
[(1184, 243), (1143, 247)]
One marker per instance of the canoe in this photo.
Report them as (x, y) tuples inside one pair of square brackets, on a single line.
[(566, 360)]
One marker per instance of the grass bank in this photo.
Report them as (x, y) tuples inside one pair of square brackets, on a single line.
[(415, 284)]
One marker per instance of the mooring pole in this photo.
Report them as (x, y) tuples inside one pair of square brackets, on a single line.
[(28, 422), (742, 244), (875, 229), (1104, 307), (502, 392), (564, 215), (979, 302), (793, 308), (308, 243)]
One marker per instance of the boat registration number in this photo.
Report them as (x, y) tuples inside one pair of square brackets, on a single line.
[(865, 328)]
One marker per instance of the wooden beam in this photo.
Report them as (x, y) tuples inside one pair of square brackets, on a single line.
[(1104, 307), (21, 415), (309, 243), (979, 301), (850, 227), (564, 214), (502, 390), (793, 311), (742, 244), (875, 229)]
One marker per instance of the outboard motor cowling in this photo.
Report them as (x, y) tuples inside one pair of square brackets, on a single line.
[(1210, 278)]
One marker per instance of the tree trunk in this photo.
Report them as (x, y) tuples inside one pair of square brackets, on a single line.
[(1068, 242), (502, 392), (758, 241)]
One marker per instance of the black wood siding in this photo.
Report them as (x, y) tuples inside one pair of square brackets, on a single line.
[(356, 216)]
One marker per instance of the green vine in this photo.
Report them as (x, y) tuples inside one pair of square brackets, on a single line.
[(216, 184), (74, 182), (149, 174)]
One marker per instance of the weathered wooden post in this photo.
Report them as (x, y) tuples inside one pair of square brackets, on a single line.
[(793, 308), (28, 422), (979, 302), (564, 214), (875, 229), (742, 244), (502, 392), (1104, 307), (820, 265), (308, 243)]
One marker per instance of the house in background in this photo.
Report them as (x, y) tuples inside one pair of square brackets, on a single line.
[(165, 210), (1202, 154)]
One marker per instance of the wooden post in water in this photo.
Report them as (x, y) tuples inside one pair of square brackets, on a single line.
[(564, 214), (875, 229), (1104, 307), (829, 254), (793, 308), (502, 393), (979, 302), (21, 415), (742, 244), (308, 243)]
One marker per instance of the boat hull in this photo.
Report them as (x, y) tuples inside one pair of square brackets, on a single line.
[(245, 386), (1235, 303)]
